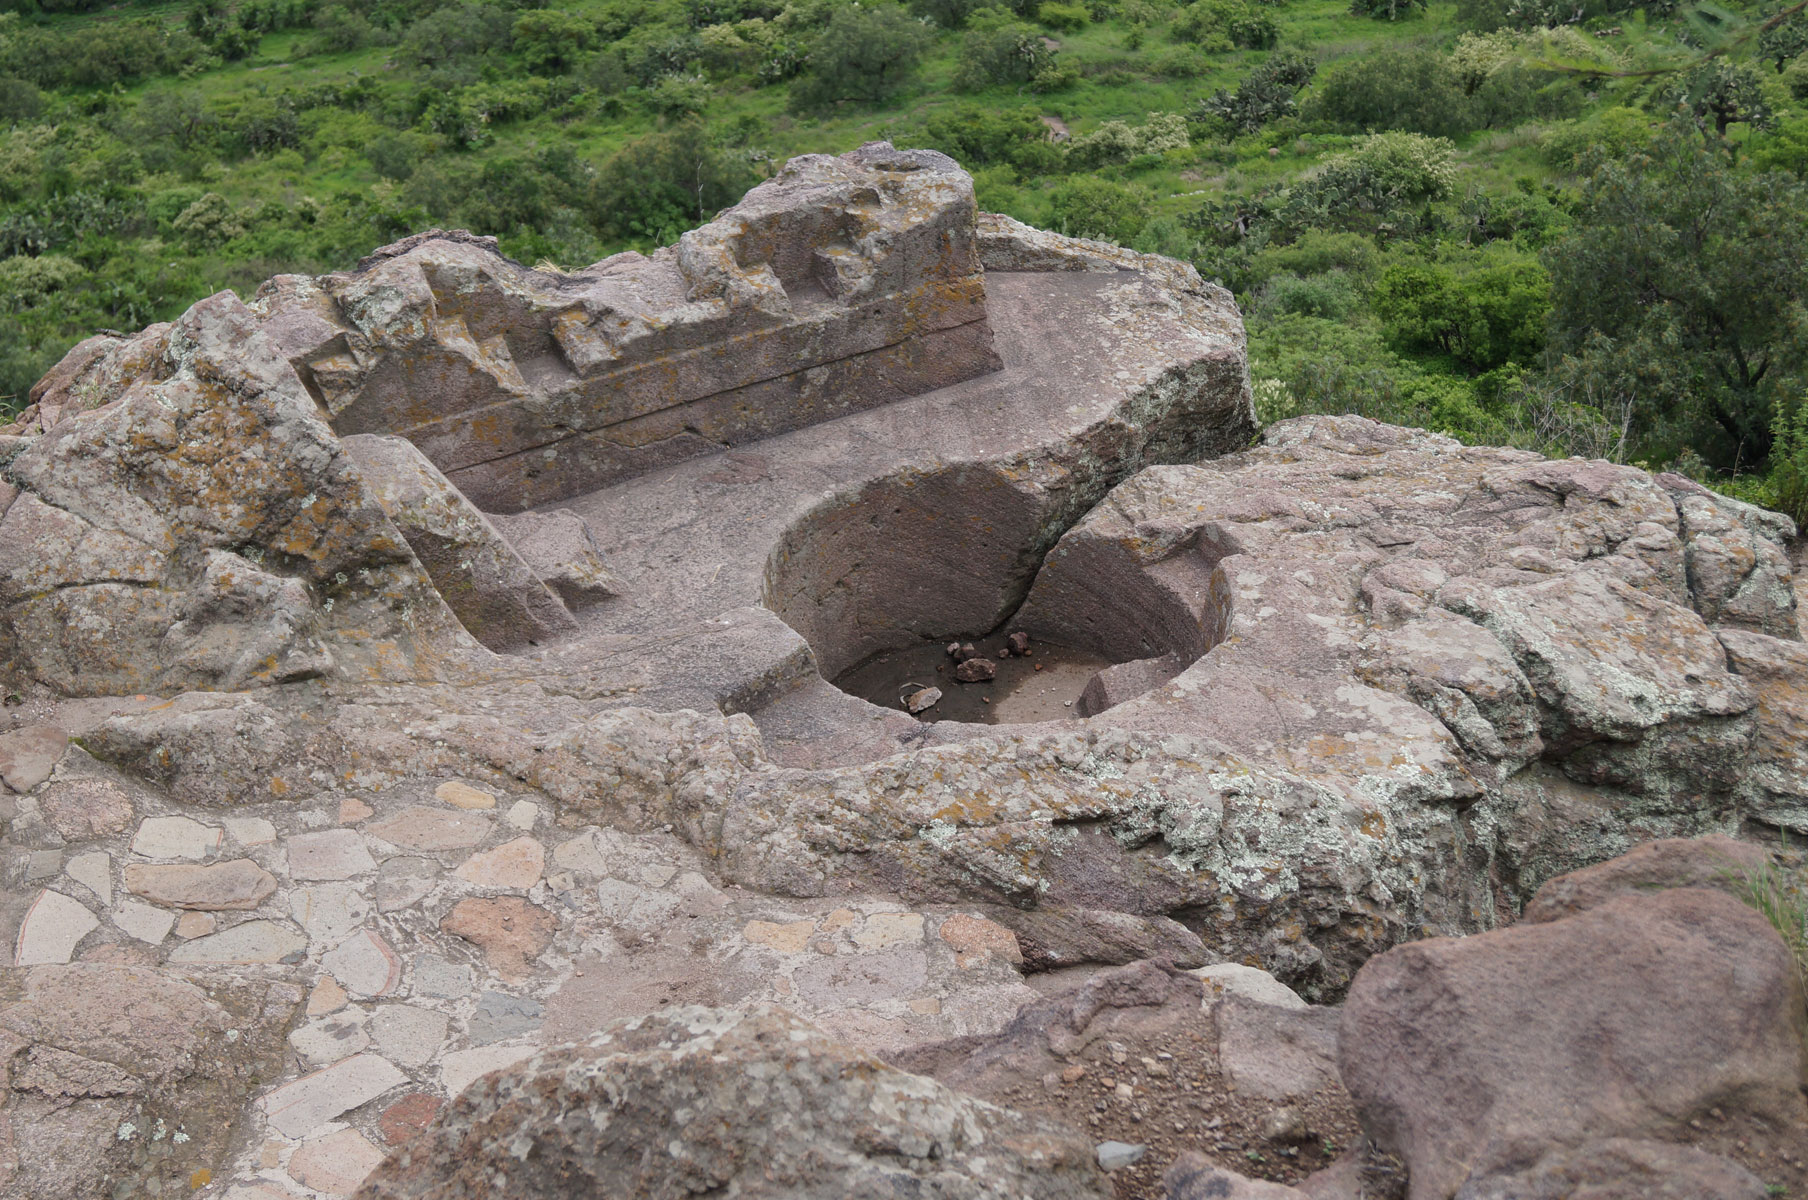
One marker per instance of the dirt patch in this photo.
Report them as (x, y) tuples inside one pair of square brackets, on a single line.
[(1154, 1078), (1778, 1156), (1042, 686), (1179, 1100)]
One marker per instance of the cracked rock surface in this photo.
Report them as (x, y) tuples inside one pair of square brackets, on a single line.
[(683, 1081)]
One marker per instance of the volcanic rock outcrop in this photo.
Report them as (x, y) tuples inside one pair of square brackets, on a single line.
[(658, 1106), (455, 642)]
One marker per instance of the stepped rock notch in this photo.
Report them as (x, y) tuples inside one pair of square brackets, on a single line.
[(839, 284)]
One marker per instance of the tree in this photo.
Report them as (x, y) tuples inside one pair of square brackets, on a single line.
[(1268, 94), (658, 186), (864, 55), (552, 40), (1682, 289), (1724, 93)]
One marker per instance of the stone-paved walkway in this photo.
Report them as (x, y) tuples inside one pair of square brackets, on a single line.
[(444, 930)]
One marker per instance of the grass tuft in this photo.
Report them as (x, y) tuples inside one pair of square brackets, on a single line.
[(1783, 900)]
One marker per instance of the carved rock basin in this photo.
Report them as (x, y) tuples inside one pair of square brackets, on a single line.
[(450, 645)]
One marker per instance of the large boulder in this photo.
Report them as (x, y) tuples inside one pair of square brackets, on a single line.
[(121, 1081), (203, 527), (738, 1104), (1714, 861), (1632, 1018)]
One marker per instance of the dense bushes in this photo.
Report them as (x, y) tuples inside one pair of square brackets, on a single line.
[(95, 55), (1484, 317), (998, 48), (1219, 25), (1120, 142), (658, 186), (1493, 234), (1484, 84), (1086, 206), (1682, 292), (981, 137)]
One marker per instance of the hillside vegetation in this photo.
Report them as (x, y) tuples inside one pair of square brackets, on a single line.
[(1563, 224)]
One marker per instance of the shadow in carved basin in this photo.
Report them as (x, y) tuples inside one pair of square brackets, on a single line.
[(882, 581)]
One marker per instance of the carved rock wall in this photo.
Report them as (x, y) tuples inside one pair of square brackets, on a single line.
[(839, 284)]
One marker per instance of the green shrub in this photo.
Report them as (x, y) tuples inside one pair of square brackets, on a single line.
[(999, 49), (395, 154), (1782, 149), (1312, 364), (25, 281), (1119, 142), (1316, 252), (95, 55), (19, 100), (469, 31), (1090, 207), (980, 137), (1789, 461), (1385, 172), (1413, 89), (1222, 24), (678, 95), (1612, 132), (1180, 62), (1068, 18), (1482, 318), (949, 14), (551, 40), (208, 223), (1054, 75), (1795, 78), (1255, 30), (1331, 296)]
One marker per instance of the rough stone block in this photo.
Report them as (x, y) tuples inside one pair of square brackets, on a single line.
[(839, 284)]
